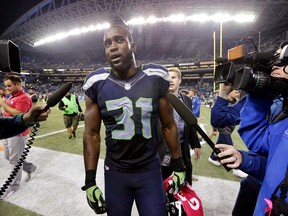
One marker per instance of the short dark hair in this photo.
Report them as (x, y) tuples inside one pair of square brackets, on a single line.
[(129, 34), (194, 90), (14, 79)]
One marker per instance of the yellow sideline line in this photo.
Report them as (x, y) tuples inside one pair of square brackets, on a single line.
[(55, 132)]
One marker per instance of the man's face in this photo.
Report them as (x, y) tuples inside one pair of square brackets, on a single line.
[(191, 93), (280, 72), (175, 82), (119, 50), (11, 88)]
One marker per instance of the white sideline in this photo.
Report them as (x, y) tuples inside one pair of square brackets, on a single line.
[(55, 132), (55, 188)]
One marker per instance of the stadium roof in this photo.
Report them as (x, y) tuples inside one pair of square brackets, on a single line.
[(52, 16)]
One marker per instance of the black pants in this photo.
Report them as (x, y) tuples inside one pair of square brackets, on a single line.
[(247, 197)]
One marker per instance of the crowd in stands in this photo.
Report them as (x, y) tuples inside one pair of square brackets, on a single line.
[(45, 90), (81, 62)]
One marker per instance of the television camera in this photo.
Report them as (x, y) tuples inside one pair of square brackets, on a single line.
[(250, 71), (9, 57)]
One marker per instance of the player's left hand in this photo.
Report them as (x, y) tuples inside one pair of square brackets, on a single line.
[(96, 200), (178, 182)]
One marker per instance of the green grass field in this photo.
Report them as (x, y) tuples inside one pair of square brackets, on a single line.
[(59, 142)]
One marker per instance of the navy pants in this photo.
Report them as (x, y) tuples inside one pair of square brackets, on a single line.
[(146, 188)]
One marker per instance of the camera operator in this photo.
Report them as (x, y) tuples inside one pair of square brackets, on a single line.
[(266, 138), (224, 115)]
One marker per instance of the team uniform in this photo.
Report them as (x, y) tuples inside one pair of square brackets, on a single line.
[(129, 110), (196, 106), (268, 138)]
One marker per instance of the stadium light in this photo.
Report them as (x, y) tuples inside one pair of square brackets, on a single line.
[(198, 18), (201, 17), (221, 17), (72, 32), (177, 18)]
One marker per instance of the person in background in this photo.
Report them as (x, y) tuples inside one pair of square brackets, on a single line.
[(19, 102), (196, 104), (4, 95), (34, 98), (130, 100), (187, 134), (71, 111), (225, 135)]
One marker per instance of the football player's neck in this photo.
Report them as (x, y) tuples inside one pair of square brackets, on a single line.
[(126, 72)]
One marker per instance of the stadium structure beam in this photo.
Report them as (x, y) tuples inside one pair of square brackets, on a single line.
[(51, 16)]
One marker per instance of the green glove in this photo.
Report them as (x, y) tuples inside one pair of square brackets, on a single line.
[(179, 175), (178, 181), (96, 199)]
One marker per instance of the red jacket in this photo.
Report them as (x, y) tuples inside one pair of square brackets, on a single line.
[(20, 101)]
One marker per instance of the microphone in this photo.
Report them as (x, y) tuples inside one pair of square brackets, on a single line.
[(187, 115), (58, 95)]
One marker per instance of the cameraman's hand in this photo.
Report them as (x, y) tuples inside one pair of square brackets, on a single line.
[(229, 155), (96, 199), (225, 89)]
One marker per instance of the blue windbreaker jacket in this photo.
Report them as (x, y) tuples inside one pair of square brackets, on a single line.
[(269, 140)]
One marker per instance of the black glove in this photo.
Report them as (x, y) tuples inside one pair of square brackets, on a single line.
[(95, 199), (179, 175)]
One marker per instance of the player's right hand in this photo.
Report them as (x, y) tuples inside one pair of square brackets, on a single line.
[(96, 200)]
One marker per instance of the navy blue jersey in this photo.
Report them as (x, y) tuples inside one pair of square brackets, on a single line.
[(129, 110)]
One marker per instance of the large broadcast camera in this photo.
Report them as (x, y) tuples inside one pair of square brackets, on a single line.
[(9, 57), (250, 71)]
